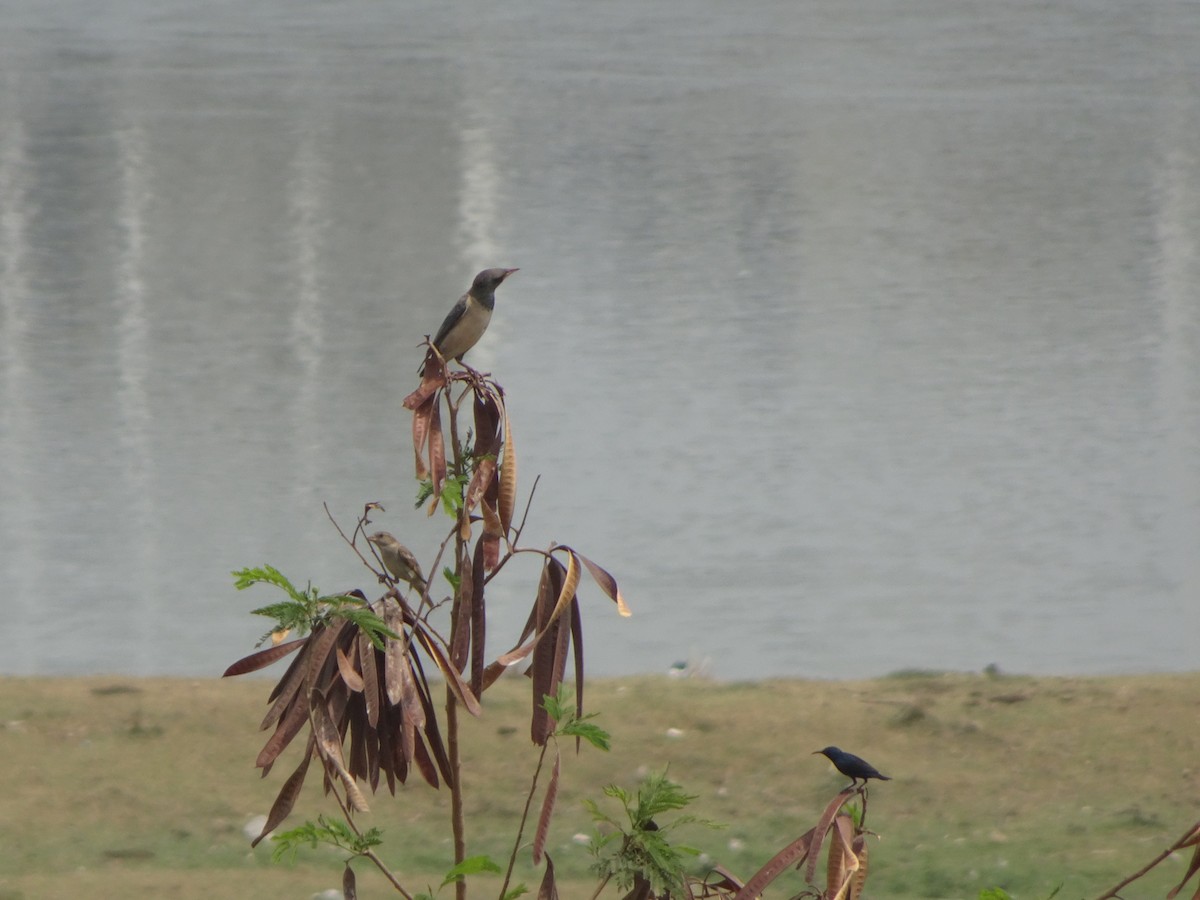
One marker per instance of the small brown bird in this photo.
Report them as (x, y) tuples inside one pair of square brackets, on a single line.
[(398, 560)]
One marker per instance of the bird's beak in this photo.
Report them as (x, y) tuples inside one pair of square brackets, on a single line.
[(814, 753), (508, 272)]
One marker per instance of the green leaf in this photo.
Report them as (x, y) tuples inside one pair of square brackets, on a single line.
[(372, 837), (424, 492), (305, 610), (368, 622), (657, 794), (561, 709), (473, 865), (855, 813), (593, 734), (641, 848), (244, 578), (557, 706), (452, 494), (600, 816), (334, 832), (612, 790)]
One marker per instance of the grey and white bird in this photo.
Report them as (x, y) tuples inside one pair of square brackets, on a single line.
[(398, 560), (469, 318)]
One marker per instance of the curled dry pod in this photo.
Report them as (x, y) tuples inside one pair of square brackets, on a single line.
[(508, 477)]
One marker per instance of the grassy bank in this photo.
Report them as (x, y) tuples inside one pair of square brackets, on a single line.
[(129, 788)]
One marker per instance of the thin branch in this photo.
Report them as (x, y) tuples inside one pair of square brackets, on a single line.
[(427, 600), (456, 797), (381, 573), (601, 886), (368, 853), (1112, 892), (513, 549), (512, 859), (387, 873), (528, 504), (509, 555), (512, 543)]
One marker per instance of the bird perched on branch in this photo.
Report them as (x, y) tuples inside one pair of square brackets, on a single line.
[(469, 318), (398, 560), (853, 767)]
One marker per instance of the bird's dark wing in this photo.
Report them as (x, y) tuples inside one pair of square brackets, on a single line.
[(450, 321), (857, 767)]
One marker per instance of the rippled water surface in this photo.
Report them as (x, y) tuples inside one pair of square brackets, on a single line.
[(849, 337)]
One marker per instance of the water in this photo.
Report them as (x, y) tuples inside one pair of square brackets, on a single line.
[(850, 338)]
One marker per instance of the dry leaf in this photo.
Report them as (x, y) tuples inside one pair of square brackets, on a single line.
[(543, 826), (288, 794), (394, 651), (420, 433), (478, 616), (437, 455), (507, 500), (548, 890), (570, 584), (607, 583), (842, 862), (1192, 869), (370, 678), (823, 825), (460, 637), (289, 726), (432, 381), (454, 681), (349, 673), (487, 425), (263, 658), (792, 855), (286, 689)]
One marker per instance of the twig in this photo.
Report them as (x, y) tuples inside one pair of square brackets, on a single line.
[(368, 853), (513, 549), (437, 561), (512, 859), (387, 873), (600, 886), (528, 504), (1111, 893), (456, 797), (363, 520)]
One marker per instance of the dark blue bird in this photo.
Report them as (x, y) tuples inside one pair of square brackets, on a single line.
[(853, 767), (469, 318)]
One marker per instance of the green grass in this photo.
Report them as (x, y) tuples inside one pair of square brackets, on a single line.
[(140, 788)]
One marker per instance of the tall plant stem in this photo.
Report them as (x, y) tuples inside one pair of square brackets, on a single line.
[(456, 794), (512, 859), (457, 822)]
